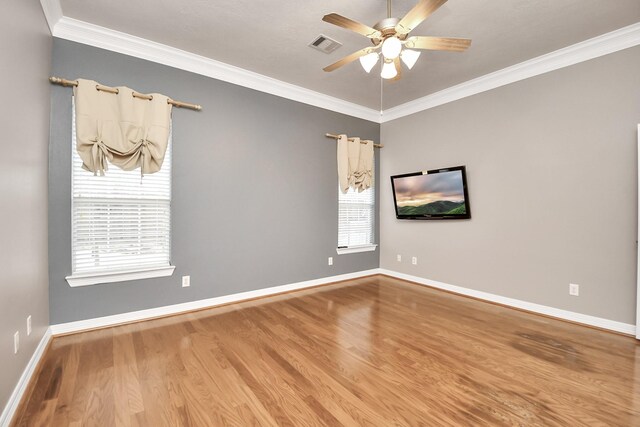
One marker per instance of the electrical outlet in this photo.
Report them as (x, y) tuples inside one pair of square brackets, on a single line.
[(414, 260), (399, 258), (16, 342), (574, 289), (330, 260), (28, 325), (186, 281)]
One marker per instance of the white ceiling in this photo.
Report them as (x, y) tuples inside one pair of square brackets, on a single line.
[(271, 38)]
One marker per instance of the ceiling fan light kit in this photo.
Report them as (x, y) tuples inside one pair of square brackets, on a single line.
[(391, 35)]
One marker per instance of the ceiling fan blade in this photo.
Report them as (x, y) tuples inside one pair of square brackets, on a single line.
[(437, 43), (350, 24), (398, 65), (348, 59), (419, 13)]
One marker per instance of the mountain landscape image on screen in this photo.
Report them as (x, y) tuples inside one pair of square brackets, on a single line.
[(440, 207), (432, 194)]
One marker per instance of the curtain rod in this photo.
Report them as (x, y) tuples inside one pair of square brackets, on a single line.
[(330, 135), (179, 104)]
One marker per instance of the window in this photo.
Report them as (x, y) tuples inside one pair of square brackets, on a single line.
[(120, 223), (356, 220)]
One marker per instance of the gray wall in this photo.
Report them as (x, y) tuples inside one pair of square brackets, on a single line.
[(25, 45), (254, 189), (552, 177)]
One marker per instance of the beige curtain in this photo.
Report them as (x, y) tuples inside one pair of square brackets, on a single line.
[(120, 129), (363, 175), (343, 163), (355, 163)]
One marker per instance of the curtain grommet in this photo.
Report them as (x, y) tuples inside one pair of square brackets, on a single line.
[(117, 91)]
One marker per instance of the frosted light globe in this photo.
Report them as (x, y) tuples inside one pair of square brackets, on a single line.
[(388, 70), (368, 61), (391, 47)]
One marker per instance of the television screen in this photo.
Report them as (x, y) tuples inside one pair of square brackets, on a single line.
[(434, 194)]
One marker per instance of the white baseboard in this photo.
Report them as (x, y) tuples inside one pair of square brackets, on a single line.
[(117, 319), (65, 328), (23, 382), (134, 316), (585, 319)]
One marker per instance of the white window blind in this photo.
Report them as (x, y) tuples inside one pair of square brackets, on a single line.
[(356, 217), (120, 221)]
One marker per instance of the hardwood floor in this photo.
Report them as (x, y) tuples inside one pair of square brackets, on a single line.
[(374, 351)]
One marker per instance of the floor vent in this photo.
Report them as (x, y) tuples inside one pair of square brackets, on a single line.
[(325, 44)]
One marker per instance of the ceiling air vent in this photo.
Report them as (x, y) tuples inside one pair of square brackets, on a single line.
[(325, 44)]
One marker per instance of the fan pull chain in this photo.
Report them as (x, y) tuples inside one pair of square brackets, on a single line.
[(381, 98)]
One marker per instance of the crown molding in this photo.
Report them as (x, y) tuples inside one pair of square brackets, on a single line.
[(104, 38), (52, 12), (614, 41)]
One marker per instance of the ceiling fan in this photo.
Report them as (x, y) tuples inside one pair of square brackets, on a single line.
[(391, 37)]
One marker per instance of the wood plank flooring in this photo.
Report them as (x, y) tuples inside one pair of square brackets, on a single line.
[(369, 352)]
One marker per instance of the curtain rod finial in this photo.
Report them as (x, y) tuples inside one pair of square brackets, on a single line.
[(62, 82)]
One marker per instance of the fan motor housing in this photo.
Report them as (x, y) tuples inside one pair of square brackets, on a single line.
[(387, 27)]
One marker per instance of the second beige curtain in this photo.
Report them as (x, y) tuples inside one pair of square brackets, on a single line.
[(355, 163)]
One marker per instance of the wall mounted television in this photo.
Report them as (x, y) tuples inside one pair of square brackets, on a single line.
[(434, 194)]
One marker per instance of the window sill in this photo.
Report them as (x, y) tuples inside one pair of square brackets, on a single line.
[(356, 249), (118, 276)]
